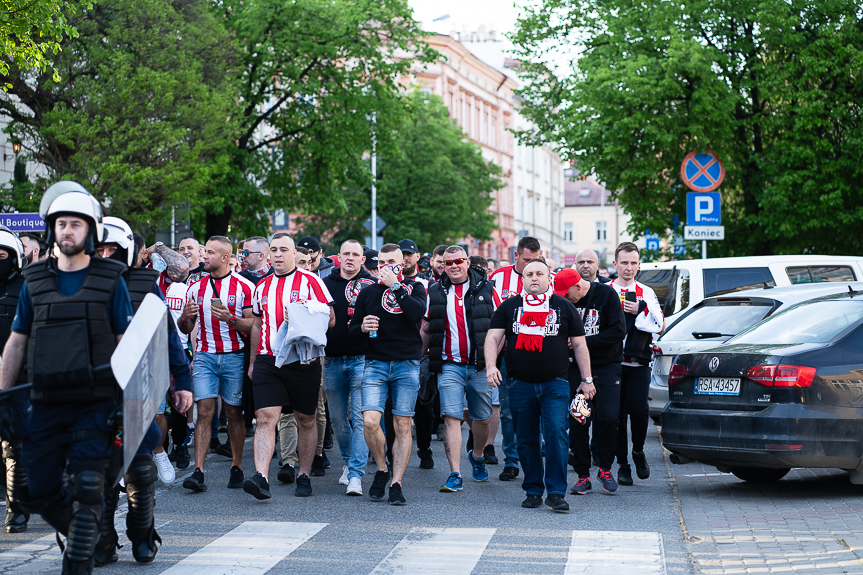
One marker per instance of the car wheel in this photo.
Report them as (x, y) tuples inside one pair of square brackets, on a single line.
[(759, 474)]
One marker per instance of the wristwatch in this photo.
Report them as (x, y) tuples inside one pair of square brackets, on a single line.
[(395, 286), (232, 321), (587, 380)]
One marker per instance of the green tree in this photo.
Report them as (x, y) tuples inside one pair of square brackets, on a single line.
[(773, 87), (434, 186), (312, 74), (141, 114), (29, 29)]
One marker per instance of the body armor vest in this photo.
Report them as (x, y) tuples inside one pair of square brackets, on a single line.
[(140, 282), (8, 308), (71, 340)]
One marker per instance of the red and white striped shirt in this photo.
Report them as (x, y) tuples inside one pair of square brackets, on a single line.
[(456, 339), (507, 283), (274, 292), (216, 336), (175, 294)]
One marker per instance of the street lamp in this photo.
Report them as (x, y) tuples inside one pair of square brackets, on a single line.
[(16, 146)]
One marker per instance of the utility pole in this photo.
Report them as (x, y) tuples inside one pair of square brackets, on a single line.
[(374, 187)]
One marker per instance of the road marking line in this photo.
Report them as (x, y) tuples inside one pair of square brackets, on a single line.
[(618, 552), (453, 550), (253, 548)]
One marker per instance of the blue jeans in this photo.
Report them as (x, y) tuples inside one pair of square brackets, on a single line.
[(507, 430), (543, 404), (455, 383), (398, 379), (343, 381), (215, 374)]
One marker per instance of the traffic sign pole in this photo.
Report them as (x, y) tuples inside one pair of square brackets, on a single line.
[(704, 249)]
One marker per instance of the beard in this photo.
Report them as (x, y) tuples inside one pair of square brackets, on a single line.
[(30, 257), (72, 249), (409, 270)]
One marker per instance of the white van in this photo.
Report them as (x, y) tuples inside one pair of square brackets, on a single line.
[(679, 285)]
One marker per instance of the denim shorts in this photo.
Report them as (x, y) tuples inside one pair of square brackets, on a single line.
[(162, 406), (399, 379), (215, 374), (455, 383)]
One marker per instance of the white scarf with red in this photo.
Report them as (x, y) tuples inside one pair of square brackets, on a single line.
[(532, 322)]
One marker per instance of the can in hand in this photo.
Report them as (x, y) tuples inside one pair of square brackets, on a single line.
[(373, 333)]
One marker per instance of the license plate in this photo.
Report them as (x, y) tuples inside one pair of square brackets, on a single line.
[(717, 386)]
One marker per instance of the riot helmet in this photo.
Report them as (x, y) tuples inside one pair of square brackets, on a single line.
[(12, 243), (118, 232), (72, 198)]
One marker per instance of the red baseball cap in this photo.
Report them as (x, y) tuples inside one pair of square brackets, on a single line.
[(565, 279)]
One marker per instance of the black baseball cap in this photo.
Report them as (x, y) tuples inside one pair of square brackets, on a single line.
[(310, 243), (408, 247), (371, 259)]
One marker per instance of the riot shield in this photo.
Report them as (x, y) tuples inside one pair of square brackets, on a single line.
[(140, 364)]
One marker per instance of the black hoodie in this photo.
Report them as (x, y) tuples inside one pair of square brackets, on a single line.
[(400, 313), (604, 324), (345, 292)]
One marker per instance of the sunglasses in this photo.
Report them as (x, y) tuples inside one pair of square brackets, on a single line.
[(313, 259), (455, 262), (247, 253)]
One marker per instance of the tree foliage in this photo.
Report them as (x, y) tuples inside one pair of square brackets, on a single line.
[(30, 29), (141, 113), (312, 74), (773, 87), (434, 186)]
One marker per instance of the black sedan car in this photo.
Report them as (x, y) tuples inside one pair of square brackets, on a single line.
[(786, 392)]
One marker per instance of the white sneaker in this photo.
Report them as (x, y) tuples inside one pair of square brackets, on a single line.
[(164, 467), (355, 486), (343, 480)]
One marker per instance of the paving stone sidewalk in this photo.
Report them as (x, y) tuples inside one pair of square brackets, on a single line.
[(811, 521)]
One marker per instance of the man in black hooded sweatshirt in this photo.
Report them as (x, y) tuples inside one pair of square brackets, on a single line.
[(343, 365)]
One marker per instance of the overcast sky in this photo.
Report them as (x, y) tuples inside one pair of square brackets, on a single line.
[(498, 14)]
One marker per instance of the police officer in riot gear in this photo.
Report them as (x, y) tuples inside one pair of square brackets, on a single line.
[(15, 404), (140, 478), (72, 311)]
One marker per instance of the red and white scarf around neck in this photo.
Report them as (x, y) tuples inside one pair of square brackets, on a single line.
[(534, 314)]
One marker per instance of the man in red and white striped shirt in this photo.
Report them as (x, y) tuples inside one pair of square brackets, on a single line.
[(221, 305), (295, 384), (508, 283)]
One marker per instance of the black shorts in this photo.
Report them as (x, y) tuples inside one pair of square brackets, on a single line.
[(295, 385)]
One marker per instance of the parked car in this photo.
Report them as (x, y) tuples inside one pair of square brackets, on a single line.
[(786, 392), (717, 319), (680, 285)]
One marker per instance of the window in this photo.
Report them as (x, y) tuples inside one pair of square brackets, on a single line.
[(279, 218), (720, 281), (808, 322), (567, 232), (584, 192), (726, 319), (670, 286), (819, 274), (601, 232)]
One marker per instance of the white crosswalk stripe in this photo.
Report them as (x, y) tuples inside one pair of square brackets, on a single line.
[(454, 551), (618, 552), (253, 547)]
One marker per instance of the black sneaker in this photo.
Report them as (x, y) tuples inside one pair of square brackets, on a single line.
[(490, 456), (304, 486), (257, 486), (510, 474), (318, 469), (236, 480), (172, 456), (250, 432), (641, 467), (183, 460), (195, 481), (396, 497), (328, 436), (624, 475), (326, 459), (582, 486), (224, 449), (532, 501), (607, 480), (426, 459), (287, 474), (379, 485), (557, 503)]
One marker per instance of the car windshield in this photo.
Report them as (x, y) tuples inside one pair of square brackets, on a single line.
[(710, 320), (808, 322)]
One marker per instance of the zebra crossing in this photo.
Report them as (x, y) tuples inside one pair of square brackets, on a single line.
[(256, 547)]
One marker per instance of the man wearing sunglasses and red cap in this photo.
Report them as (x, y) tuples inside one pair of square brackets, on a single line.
[(454, 330)]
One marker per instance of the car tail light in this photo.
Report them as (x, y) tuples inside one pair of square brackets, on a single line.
[(676, 374), (782, 375)]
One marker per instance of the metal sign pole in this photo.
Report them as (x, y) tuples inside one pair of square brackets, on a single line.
[(704, 249), (374, 229)]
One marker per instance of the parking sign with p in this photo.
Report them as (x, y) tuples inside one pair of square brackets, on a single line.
[(703, 209)]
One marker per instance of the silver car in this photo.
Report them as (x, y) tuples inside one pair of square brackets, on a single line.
[(715, 320)]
